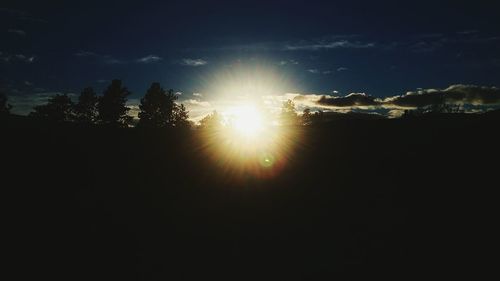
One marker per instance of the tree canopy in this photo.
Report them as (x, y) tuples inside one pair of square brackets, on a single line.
[(181, 117), (58, 108), (157, 108), (86, 108), (112, 107), (288, 113), (211, 121), (4, 106)]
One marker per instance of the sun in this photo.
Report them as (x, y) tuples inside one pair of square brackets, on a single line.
[(246, 121)]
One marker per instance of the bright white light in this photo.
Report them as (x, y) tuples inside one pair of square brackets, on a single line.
[(246, 120)]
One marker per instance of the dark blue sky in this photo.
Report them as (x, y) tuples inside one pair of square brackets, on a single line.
[(382, 48)]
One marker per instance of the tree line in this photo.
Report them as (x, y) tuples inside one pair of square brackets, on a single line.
[(158, 108), (287, 117)]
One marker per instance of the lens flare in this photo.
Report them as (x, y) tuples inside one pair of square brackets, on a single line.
[(247, 140)]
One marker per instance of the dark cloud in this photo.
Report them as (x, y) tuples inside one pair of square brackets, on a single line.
[(21, 15), (327, 45), (456, 94), (354, 99), (17, 31)]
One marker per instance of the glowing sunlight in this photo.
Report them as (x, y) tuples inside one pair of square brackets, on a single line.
[(246, 120)]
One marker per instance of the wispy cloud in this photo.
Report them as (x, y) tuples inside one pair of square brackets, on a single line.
[(327, 45), (106, 59), (149, 59), (16, 58), (21, 15), (288, 62), (340, 69), (85, 54), (311, 44), (17, 31), (13, 12), (195, 102), (427, 46), (194, 62), (317, 71), (468, 32)]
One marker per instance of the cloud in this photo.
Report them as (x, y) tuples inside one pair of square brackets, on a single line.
[(85, 54), (340, 69), (311, 44), (133, 108), (13, 12), (13, 58), (317, 71), (274, 102), (198, 108), (195, 102), (23, 104), (149, 59), (427, 47), (194, 62), (21, 15), (288, 62), (106, 59), (455, 94), (468, 32), (17, 31), (327, 45), (198, 94), (351, 100)]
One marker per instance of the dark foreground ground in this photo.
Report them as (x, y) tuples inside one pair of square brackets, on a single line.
[(356, 200)]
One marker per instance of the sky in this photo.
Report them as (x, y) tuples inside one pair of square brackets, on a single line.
[(216, 53)]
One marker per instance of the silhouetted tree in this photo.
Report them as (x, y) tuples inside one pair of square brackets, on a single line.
[(112, 107), (288, 113), (157, 108), (4, 106), (58, 108), (438, 108), (86, 108), (211, 121), (181, 116), (318, 117), (306, 117)]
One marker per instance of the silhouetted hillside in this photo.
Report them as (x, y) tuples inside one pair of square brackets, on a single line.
[(354, 199)]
